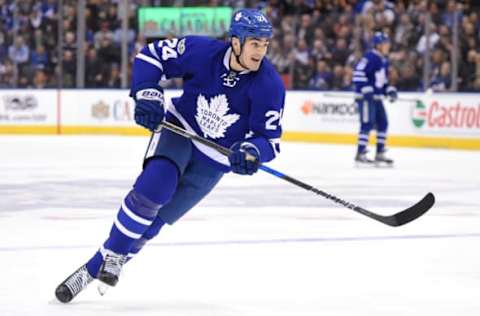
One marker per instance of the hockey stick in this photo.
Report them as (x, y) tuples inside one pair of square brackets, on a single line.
[(397, 219)]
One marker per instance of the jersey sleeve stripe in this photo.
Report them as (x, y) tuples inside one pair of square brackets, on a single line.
[(152, 50), (150, 60), (359, 79), (275, 143)]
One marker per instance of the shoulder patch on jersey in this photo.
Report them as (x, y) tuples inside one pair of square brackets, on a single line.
[(212, 118), (181, 47)]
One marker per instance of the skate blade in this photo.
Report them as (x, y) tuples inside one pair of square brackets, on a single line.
[(102, 288), (383, 164), (363, 165)]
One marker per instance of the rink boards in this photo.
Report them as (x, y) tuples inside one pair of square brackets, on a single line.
[(446, 120)]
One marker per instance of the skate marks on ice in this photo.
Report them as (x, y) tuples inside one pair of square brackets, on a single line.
[(106, 194)]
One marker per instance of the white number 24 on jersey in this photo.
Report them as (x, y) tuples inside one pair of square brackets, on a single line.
[(171, 48), (274, 119)]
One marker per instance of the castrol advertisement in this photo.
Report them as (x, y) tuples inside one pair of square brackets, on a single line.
[(447, 115)]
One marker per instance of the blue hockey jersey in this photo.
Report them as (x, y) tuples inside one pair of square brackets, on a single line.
[(217, 103), (371, 75)]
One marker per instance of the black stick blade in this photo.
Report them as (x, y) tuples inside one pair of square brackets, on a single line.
[(410, 213)]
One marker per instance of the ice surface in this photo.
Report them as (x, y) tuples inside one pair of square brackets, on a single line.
[(256, 246)]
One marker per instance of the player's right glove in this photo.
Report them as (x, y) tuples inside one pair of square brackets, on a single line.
[(149, 105), (244, 159), (392, 94)]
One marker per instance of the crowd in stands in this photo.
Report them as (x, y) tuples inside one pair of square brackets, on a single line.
[(315, 46)]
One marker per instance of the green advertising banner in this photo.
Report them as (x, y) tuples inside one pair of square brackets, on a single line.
[(161, 22)]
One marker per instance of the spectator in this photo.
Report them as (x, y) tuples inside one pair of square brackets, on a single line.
[(3, 47), (305, 31), (69, 69), (93, 69), (40, 79), (322, 79), (466, 74), (103, 34), (433, 39), (114, 79), (442, 80), (448, 17), (340, 52), (39, 58), (6, 74), (338, 77), (19, 53), (410, 80)]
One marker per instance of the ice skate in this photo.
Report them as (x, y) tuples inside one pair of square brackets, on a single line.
[(73, 285), (111, 267), (361, 160), (382, 161)]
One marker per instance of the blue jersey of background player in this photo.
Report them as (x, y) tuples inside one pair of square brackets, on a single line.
[(370, 78), (232, 95)]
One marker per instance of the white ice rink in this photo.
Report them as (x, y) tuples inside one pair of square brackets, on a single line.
[(256, 246)]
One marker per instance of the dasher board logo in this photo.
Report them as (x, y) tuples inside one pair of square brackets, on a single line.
[(310, 107), (419, 114), (20, 102), (446, 115), (212, 117), (100, 110)]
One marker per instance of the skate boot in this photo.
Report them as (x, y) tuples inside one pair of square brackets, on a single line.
[(361, 159), (73, 285), (382, 161), (111, 267)]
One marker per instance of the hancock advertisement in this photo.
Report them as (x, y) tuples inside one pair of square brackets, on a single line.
[(27, 107), (315, 112), (415, 114)]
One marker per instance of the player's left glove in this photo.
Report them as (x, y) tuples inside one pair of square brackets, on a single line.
[(244, 159), (149, 105), (392, 94)]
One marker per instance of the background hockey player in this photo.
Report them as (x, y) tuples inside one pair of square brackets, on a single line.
[(232, 96), (370, 78)]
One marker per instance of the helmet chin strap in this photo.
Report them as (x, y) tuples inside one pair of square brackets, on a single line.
[(237, 57)]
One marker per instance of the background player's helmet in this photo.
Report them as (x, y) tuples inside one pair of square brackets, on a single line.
[(379, 38), (250, 23)]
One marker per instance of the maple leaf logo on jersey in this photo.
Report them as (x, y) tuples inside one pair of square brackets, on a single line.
[(212, 117)]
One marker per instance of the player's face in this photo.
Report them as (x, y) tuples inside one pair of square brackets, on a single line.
[(384, 48), (253, 52)]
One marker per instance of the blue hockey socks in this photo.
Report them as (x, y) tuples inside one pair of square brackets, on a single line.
[(362, 142), (138, 214), (381, 139)]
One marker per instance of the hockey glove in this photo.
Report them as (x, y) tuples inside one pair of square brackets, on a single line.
[(392, 94), (149, 105), (244, 159)]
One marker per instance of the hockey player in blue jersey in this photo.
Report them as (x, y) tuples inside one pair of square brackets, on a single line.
[(231, 95), (370, 78)]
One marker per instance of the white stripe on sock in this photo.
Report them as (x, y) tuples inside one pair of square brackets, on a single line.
[(134, 216), (125, 231)]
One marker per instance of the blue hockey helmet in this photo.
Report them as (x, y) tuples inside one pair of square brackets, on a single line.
[(379, 38), (250, 23)]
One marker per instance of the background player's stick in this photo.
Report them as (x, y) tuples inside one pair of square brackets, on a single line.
[(347, 95), (397, 219)]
